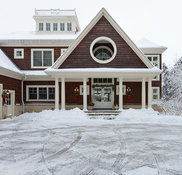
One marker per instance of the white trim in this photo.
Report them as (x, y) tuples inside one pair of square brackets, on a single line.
[(104, 13), (63, 50), (97, 40), (102, 82), (62, 93), (158, 93), (38, 86), (81, 90), (40, 49), (117, 89), (15, 54), (158, 63)]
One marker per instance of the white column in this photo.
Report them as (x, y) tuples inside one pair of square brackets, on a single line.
[(1, 102), (143, 93), (120, 94), (149, 93), (56, 93), (85, 94), (63, 93)]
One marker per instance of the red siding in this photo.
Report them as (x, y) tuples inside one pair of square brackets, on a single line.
[(12, 84), (125, 57), (25, 64)]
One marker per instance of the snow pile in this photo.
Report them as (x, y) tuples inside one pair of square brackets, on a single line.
[(147, 116), (49, 118)]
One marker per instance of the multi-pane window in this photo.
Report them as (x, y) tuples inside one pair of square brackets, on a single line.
[(41, 26), (154, 59), (62, 28), (102, 80), (55, 26), (69, 26), (18, 53), (155, 93), (48, 27), (32, 93), (41, 93), (42, 58)]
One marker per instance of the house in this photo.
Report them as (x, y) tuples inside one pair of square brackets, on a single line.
[(59, 67)]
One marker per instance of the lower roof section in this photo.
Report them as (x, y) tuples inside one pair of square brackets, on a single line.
[(104, 73)]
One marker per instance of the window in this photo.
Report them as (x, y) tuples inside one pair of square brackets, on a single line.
[(41, 93), (103, 53), (55, 26), (117, 89), (69, 26), (154, 59), (63, 51), (155, 93), (62, 28), (41, 26), (81, 90), (19, 53), (103, 50), (102, 80), (42, 58), (48, 27)]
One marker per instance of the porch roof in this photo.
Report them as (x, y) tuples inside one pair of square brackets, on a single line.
[(105, 72)]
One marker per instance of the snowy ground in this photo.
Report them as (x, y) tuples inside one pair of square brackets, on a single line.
[(138, 142)]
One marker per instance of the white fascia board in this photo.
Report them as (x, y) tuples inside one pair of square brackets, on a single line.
[(104, 13), (12, 74), (104, 72), (31, 43), (156, 50)]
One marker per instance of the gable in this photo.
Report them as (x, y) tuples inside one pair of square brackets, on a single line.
[(81, 58)]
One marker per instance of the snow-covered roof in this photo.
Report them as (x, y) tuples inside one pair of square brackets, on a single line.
[(35, 36), (54, 12), (145, 43), (34, 72), (7, 64)]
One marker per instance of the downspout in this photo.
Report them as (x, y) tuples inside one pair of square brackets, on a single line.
[(22, 100)]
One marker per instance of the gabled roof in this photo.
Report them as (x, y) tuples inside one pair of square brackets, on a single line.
[(8, 68), (102, 13)]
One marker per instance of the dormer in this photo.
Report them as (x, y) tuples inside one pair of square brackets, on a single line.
[(56, 21)]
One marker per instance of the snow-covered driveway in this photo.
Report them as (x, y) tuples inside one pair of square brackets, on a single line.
[(32, 146)]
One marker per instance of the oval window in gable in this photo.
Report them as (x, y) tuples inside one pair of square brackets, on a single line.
[(103, 50)]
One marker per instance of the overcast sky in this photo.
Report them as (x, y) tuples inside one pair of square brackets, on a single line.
[(157, 20)]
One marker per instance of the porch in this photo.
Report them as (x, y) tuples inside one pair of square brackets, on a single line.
[(120, 76)]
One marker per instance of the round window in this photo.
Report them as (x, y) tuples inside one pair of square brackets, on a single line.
[(103, 50)]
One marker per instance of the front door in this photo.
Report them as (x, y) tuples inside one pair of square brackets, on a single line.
[(103, 97)]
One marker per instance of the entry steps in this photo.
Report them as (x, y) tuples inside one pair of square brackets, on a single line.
[(104, 114)]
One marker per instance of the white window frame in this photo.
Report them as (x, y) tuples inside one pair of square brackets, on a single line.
[(70, 26), (38, 86), (55, 23), (47, 28), (63, 51), (42, 26), (38, 67), (158, 63), (81, 90), (63, 25), (18, 57), (102, 83), (117, 89), (158, 93)]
